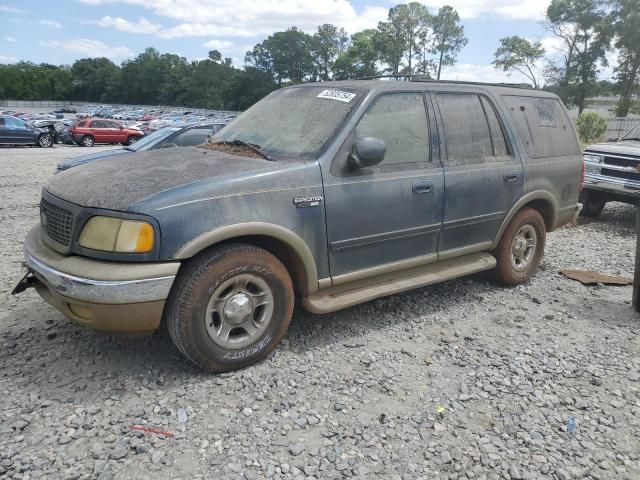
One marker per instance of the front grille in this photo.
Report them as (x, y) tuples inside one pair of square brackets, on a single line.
[(56, 222), (629, 163)]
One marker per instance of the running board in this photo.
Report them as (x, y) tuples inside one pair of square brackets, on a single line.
[(343, 296)]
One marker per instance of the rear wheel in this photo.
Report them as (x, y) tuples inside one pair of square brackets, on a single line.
[(230, 307), (87, 141), (521, 248), (45, 141)]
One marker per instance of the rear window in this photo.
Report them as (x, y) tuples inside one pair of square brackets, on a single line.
[(543, 125)]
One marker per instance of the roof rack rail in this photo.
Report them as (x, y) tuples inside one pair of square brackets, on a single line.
[(423, 78)]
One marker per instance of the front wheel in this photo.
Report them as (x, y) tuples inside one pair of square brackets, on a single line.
[(45, 141), (521, 248), (230, 307), (592, 204), (132, 139)]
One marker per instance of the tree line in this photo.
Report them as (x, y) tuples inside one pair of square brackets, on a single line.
[(411, 41), (586, 31)]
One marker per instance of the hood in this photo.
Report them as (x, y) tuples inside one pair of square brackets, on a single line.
[(116, 183), (626, 147), (74, 162)]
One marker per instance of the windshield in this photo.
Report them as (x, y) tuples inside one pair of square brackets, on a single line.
[(150, 141), (292, 122), (633, 134)]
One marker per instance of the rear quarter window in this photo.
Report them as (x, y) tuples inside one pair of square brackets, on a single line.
[(543, 125)]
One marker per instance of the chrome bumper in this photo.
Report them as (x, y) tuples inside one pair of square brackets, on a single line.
[(96, 281)]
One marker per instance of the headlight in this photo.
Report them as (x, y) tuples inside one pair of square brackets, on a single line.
[(111, 234), (592, 163)]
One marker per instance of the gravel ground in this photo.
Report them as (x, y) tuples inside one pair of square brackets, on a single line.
[(460, 380)]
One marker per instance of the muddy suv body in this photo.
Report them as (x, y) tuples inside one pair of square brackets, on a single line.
[(333, 193), (612, 173)]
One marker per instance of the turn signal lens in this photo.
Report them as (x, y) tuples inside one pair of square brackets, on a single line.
[(110, 234)]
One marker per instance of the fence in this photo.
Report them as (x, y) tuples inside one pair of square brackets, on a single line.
[(53, 104), (617, 126)]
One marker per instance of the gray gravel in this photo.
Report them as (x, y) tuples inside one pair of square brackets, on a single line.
[(460, 380)]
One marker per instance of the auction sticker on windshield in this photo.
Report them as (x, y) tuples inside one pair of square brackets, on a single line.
[(337, 95)]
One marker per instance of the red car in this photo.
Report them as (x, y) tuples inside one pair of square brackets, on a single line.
[(96, 130)]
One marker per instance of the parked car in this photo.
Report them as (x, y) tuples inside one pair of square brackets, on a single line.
[(189, 135), (98, 130), (15, 131), (340, 193), (611, 173)]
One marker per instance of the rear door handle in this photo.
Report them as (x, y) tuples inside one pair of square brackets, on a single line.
[(422, 187), (511, 176)]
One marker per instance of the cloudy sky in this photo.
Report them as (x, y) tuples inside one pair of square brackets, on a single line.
[(62, 31)]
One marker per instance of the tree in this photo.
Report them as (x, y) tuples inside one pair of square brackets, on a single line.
[(287, 55), (581, 26), (400, 34), (625, 25), (591, 127), (360, 59), (326, 45), (95, 79), (520, 55), (448, 37)]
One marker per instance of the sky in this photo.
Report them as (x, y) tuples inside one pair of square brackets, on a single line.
[(62, 31)]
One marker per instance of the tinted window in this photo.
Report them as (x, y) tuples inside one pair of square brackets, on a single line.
[(543, 126), (195, 136), (82, 124), (15, 124), (401, 121), (466, 131), (497, 135), (98, 124), (111, 124)]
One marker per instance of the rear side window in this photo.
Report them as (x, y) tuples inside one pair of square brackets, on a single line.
[(82, 124), (466, 130), (500, 148), (543, 126), (190, 138), (400, 119)]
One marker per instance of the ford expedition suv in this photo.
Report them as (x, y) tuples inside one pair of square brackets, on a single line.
[(333, 193), (611, 173)]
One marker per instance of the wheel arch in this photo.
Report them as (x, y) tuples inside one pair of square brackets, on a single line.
[(542, 201), (286, 245)]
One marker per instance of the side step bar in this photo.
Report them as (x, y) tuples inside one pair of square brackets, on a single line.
[(343, 296)]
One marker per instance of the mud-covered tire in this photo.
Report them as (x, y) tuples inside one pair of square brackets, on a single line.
[(515, 247), (87, 141), (192, 326)]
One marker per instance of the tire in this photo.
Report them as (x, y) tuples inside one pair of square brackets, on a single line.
[(87, 141), (131, 139), (230, 307), (521, 248), (45, 141), (592, 204)]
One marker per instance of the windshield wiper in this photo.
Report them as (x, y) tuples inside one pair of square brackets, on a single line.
[(251, 146), (637, 139)]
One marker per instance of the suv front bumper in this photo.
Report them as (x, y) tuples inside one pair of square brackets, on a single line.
[(110, 296)]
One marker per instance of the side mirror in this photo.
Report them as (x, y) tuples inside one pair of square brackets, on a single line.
[(368, 151)]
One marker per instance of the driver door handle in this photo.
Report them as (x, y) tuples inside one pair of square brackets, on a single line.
[(511, 176), (422, 187)]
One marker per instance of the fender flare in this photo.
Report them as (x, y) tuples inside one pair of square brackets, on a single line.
[(543, 195), (262, 229)]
